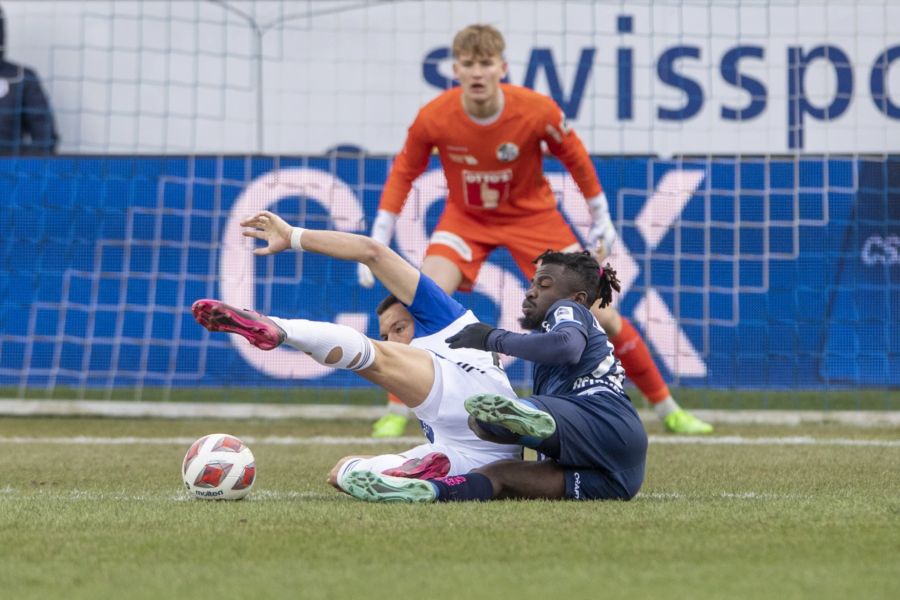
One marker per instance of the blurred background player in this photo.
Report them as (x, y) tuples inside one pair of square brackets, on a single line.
[(488, 135), (413, 360), (579, 419), (26, 120)]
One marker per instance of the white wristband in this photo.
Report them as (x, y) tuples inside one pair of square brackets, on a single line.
[(296, 234)]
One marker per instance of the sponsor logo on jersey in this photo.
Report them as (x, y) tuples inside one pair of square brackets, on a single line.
[(489, 177), (589, 384), (563, 123), (486, 189), (576, 485), (464, 159), (560, 131), (552, 132), (507, 152), (564, 313)]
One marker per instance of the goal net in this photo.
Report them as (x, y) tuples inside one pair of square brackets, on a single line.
[(749, 150)]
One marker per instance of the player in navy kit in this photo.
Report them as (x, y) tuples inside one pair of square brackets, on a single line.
[(579, 417)]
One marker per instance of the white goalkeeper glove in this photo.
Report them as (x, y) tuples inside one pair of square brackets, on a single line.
[(382, 231), (602, 233)]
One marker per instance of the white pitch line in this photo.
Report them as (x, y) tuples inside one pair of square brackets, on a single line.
[(9, 495), (187, 441), (730, 440), (326, 412), (737, 440), (723, 495), (257, 495)]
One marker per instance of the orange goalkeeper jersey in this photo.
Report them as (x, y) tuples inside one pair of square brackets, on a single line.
[(496, 169)]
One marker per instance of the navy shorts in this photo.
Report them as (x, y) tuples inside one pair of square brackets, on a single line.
[(602, 444)]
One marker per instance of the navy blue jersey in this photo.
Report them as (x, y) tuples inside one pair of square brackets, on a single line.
[(598, 370)]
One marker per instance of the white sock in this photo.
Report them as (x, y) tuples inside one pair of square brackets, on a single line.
[(666, 407), (336, 346), (377, 464)]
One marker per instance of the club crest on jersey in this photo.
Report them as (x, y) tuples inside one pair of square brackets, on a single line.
[(507, 152)]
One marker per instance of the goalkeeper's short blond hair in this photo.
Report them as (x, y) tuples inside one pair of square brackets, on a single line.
[(479, 40)]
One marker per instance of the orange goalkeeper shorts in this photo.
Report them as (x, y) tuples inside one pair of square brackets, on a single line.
[(467, 240)]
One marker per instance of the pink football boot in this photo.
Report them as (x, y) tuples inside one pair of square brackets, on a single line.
[(259, 330), (430, 466)]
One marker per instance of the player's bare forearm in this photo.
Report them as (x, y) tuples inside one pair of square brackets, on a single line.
[(397, 275), (337, 244)]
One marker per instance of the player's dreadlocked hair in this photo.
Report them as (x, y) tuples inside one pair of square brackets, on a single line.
[(599, 282)]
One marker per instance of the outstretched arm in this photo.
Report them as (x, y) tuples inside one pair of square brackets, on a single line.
[(408, 165), (397, 275), (561, 347)]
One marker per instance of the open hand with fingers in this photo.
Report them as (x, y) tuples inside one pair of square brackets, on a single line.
[(270, 228)]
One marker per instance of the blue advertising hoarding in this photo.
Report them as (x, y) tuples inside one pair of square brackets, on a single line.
[(741, 272)]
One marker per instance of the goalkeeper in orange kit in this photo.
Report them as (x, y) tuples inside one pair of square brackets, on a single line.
[(489, 138)]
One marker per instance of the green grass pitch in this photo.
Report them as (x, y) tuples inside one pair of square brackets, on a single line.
[(712, 521), (831, 399)]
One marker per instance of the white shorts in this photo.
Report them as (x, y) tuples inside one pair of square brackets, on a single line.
[(447, 422)]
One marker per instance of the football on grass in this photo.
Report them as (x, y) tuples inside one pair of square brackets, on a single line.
[(218, 467)]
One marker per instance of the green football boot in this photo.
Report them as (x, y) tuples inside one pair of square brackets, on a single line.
[(389, 426), (374, 487), (510, 414), (681, 421)]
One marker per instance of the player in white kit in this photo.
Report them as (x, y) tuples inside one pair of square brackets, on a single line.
[(428, 376)]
